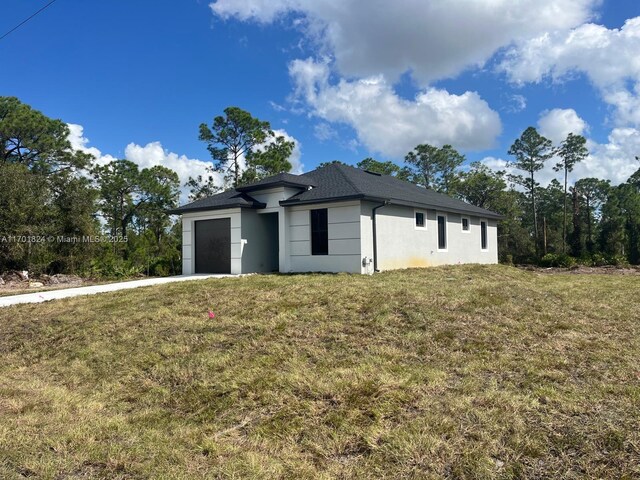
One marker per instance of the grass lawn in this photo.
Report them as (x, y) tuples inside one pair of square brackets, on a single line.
[(456, 372)]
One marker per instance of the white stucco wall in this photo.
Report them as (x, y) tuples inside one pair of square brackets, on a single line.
[(272, 197), (402, 245), (344, 239), (366, 237), (188, 243)]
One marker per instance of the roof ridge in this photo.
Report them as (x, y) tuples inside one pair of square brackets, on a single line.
[(344, 175)]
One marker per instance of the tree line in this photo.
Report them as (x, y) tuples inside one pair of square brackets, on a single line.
[(592, 221), (62, 210)]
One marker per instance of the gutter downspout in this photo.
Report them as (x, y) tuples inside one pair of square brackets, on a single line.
[(375, 236)]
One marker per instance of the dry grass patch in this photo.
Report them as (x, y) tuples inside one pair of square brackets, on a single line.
[(456, 372)]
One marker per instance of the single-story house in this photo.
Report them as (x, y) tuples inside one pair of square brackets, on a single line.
[(333, 219)]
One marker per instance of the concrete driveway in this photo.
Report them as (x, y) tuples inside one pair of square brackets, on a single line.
[(45, 296)]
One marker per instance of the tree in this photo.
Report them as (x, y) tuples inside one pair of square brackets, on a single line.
[(592, 192), (158, 192), (331, 162), (236, 138), (572, 151), (531, 150), (631, 206), (576, 239), (25, 210), (202, 187), (424, 162), (620, 230), (449, 161), (126, 191), (549, 199), (384, 168), (73, 216), (32, 139), (42, 191), (635, 178), (482, 187), (117, 182), (267, 159), (434, 167)]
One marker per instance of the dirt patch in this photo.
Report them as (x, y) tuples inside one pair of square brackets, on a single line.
[(582, 270), (17, 281)]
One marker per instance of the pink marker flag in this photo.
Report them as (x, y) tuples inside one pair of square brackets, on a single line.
[(211, 314)]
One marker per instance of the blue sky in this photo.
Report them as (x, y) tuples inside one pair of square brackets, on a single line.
[(346, 79)]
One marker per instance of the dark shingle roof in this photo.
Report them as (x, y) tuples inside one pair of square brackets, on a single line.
[(337, 182), (228, 199), (281, 179), (340, 182)]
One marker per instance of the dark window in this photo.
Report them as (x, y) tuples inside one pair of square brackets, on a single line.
[(420, 219), (442, 232), (465, 224), (483, 235), (319, 232)]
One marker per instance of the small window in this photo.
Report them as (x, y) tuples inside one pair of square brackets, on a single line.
[(465, 224), (442, 232), (483, 235), (420, 220), (319, 232)]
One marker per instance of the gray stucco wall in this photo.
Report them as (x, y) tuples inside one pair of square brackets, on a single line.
[(344, 239), (402, 245), (188, 244), (260, 245)]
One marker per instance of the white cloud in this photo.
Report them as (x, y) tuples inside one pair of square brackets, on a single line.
[(324, 131), (556, 124), (80, 142), (147, 156), (388, 124), (516, 103), (276, 106), (614, 160), (431, 39), (498, 164), (153, 154), (609, 58)]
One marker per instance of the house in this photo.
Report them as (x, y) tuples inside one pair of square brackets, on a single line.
[(333, 219)]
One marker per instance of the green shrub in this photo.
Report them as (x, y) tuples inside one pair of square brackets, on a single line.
[(561, 260), (599, 260), (618, 260), (114, 267)]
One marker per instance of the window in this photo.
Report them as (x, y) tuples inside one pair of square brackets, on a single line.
[(442, 232), (420, 220), (483, 235), (319, 232), (465, 224)]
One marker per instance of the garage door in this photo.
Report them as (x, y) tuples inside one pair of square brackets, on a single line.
[(213, 246)]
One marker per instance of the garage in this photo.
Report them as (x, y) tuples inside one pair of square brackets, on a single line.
[(213, 246)]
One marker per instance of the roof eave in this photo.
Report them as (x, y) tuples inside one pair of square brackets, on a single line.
[(282, 183), (180, 211), (293, 201), (392, 201)]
